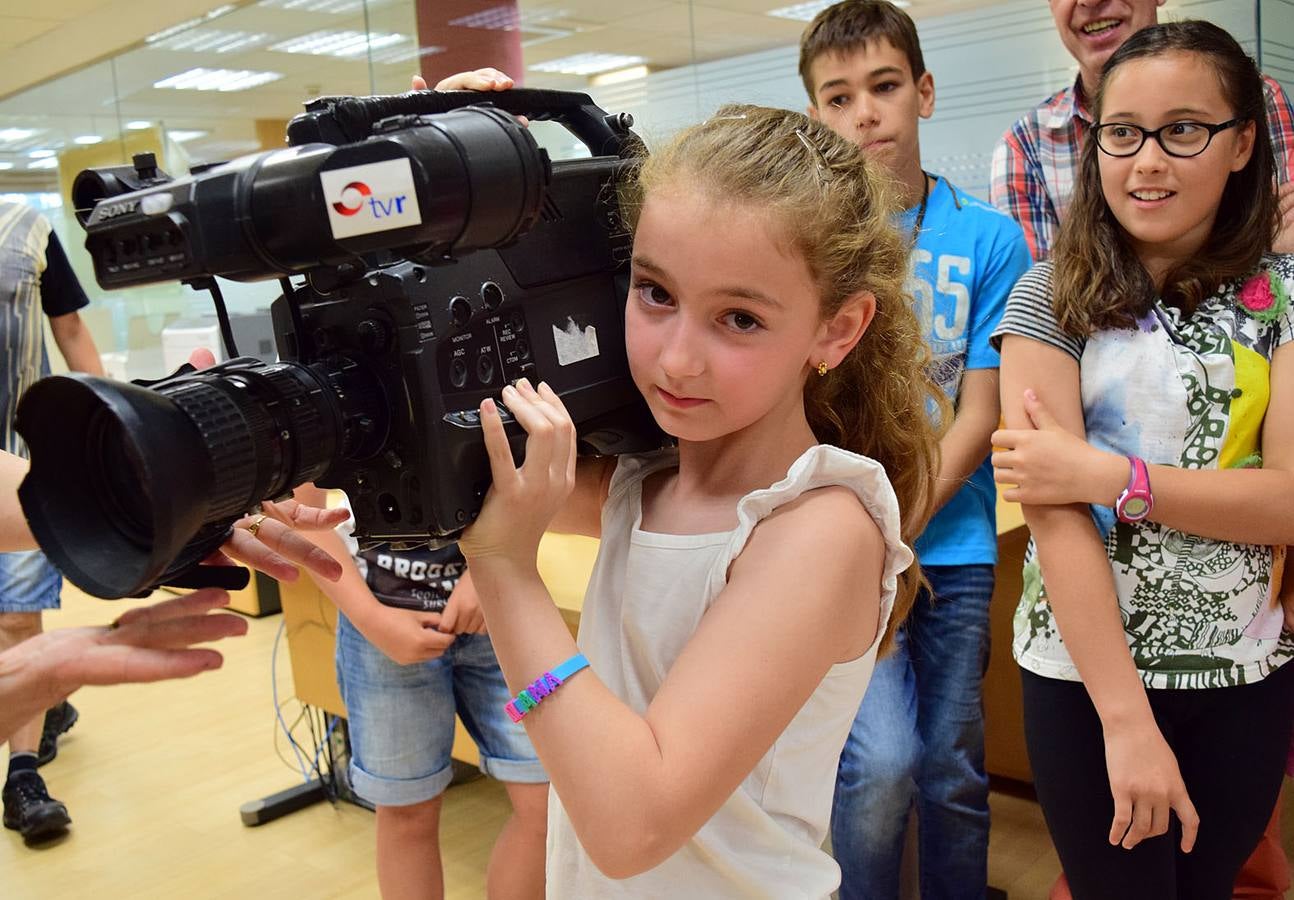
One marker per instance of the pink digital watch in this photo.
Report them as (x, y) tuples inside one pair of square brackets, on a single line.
[(1136, 501)]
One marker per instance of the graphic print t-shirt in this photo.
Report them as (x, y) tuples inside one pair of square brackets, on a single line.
[(1190, 392), (967, 257), (420, 578)]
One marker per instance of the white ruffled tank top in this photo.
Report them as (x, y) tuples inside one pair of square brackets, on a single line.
[(645, 599)]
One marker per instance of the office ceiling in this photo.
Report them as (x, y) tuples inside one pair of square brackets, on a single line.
[(85, 68)]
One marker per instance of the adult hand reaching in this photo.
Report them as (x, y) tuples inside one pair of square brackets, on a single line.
[(149, 643)]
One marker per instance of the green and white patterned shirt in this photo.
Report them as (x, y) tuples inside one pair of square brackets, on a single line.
[(1186, 392)]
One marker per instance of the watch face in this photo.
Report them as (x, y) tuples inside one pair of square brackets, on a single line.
[(1135, 508)]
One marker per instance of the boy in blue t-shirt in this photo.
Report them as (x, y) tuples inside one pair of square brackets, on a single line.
[(919, 734)]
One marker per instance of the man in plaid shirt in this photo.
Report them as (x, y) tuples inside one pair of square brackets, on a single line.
[(1035, 162)]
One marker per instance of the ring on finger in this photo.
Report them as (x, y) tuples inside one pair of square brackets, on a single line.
[(256, 524)]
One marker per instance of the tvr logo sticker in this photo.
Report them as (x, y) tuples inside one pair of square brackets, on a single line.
[(370, 198), (354, 193)]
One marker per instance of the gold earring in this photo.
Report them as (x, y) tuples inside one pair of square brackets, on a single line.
[(822, 369)]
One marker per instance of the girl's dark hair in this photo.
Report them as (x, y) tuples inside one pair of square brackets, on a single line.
[(1098, 280), (835, 209)]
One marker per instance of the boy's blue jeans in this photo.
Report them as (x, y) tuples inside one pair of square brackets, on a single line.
[(919, 737)]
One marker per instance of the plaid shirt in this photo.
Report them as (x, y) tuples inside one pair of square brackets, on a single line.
[(1035, 162)]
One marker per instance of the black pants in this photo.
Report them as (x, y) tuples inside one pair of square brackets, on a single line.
[(1230, 743)]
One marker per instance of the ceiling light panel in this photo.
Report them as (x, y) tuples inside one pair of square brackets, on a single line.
[(804, 12), (587, 63), (212, 40), (334, 7), (201, 79), (343, 43), (188, 23), (496, 18)]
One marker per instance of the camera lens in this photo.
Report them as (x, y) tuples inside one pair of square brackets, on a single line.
[(117, 480), (129, 485)]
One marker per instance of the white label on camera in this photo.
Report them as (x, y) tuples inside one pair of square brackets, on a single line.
[(575, 342), (370, 198)]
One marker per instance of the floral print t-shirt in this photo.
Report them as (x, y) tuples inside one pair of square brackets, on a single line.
[(1190, 392)]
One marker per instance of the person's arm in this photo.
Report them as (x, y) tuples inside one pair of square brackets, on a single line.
[(1050, 465), (76, 344), (61, 295), (1017, 187), (150, 643), (1144, 776), (965, 445), (14, 533), (638, 786)]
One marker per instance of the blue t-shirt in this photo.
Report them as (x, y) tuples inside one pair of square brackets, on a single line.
[(967, 258)]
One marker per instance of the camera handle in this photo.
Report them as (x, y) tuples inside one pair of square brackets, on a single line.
[(353, 118)]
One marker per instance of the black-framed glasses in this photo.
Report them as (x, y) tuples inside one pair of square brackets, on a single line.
[(1181, 139)]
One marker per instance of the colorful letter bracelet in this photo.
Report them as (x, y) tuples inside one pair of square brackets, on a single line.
[(542, 686)]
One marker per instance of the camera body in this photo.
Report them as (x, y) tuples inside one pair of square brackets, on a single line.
[(440, 340), (444, 256)]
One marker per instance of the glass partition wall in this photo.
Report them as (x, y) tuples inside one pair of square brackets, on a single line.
[(226, 82)]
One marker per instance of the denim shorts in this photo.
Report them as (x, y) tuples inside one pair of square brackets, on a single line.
[(402, 718), (29, 582)]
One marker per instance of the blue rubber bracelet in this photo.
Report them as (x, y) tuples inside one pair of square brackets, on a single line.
[(542, 686)]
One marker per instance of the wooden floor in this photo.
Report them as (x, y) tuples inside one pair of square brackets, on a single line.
[(154, 776)]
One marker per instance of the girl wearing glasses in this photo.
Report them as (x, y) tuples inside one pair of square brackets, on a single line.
[(1148, 389)]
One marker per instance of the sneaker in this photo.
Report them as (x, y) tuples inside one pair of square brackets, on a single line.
[(58, 720), (29, 809)]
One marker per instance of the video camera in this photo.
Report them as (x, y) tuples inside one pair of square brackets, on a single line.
[(444, 256)]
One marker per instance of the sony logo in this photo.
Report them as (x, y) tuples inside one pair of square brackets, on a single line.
[(107, 211)]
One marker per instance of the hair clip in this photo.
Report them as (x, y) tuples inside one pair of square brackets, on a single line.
[(818, 156)]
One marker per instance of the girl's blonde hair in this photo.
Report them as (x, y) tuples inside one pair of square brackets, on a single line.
[(837, 212)]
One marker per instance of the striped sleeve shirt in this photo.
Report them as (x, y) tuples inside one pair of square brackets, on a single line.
[(1029, 313), (35, 281), (1035, 162)]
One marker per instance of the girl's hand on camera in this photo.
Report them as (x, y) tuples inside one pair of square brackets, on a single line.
[(522, 501), (480, 80)]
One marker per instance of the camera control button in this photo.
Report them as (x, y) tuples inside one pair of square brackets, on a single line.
[(458, 373), (491, 294), (460, 311)]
